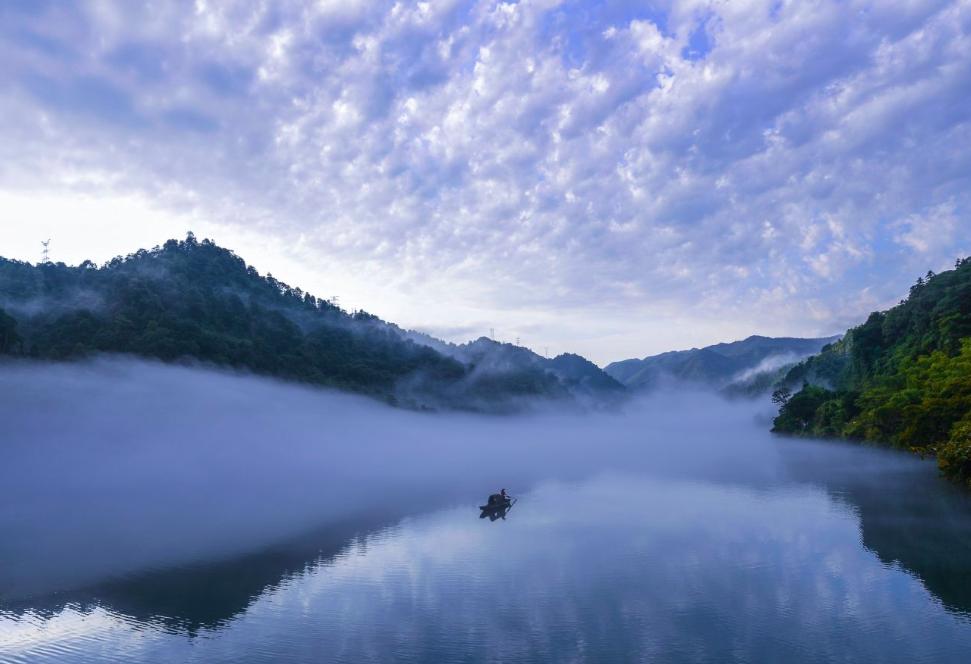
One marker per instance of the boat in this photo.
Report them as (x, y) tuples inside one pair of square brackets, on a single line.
[(495, 507)]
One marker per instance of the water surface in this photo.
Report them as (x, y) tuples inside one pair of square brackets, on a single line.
[(168, 514)]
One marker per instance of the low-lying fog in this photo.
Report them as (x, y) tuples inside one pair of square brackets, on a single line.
[(114, 467)]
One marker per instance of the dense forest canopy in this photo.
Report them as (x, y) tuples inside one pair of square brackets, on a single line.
[(903, 377), (196, 300)]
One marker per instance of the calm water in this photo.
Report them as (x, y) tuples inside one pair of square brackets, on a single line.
[(156, 514)]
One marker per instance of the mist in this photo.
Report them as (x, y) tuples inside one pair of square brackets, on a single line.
[(115, 467), (770, 363)]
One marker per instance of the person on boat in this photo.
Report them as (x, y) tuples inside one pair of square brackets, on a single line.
[(499, 498)]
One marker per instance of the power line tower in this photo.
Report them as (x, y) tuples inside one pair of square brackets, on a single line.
[(492, 333), (45, 256), (517, 341)]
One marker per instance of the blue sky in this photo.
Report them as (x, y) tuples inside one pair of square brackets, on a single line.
[(615, 179)]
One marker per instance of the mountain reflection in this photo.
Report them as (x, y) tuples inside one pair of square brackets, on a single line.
[(204, 596), (908, 515), (634, 560)]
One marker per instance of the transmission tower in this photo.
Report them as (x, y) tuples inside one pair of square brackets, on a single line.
[(45, 255)]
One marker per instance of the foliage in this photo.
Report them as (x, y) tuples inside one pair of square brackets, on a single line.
[(954, 457), (196, 300), (798, 413), (9, 339), (903, 377)]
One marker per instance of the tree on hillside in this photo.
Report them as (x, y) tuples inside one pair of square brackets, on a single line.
[(9, 339)]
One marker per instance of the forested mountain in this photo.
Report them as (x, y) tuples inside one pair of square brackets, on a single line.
[(195, 300), (577, 373), (740, 364), (903, 377)]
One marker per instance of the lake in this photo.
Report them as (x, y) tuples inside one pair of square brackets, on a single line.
[(156, 514)]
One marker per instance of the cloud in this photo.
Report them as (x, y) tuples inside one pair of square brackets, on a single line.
[(738, 164), (932, 232)]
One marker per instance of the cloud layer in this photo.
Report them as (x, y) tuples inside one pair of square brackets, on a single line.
[(585, 175)]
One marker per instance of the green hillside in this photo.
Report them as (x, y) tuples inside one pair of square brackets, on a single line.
[(194, 300), (902, 378)]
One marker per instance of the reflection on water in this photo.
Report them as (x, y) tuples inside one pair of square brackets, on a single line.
[(356, 534), (908, 516), (681, 570)]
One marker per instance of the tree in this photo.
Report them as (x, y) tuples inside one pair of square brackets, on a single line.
[(781, 396), (798, 414), (954, 457), (8, 332)]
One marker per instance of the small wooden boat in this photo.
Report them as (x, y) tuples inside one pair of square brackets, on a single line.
[(495, 507)]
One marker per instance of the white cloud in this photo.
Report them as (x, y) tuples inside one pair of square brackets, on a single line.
[(502, 160), (933, 232)]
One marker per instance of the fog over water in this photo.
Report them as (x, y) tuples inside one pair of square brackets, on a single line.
[(117, 472), (119, 465)]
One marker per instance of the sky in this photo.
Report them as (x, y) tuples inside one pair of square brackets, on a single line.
[(615, 179)]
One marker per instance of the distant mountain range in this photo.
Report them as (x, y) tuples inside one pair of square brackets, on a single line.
[(577, 373), (192, 300), (749, 365)]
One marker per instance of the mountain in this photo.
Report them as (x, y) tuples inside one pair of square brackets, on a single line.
[(740, 365), (577, 373), (902, 378), (191, 300)]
